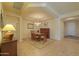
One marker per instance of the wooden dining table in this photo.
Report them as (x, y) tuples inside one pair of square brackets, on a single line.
[(38, 37)]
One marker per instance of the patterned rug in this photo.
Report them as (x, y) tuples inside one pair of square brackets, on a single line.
[(40, 44)]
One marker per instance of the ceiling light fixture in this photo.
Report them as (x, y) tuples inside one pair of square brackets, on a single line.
[(37, 23)]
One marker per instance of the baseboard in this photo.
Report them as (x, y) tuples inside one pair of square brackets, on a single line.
[(71, 36)]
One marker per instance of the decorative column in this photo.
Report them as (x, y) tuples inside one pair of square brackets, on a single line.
[(21, 32), (59, 29)]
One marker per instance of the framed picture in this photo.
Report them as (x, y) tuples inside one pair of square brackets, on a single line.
[(30, 26)]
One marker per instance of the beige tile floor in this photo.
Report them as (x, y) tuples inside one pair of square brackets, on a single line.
[(64, 47)]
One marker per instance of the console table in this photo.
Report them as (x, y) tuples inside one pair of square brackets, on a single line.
[(8, 48)]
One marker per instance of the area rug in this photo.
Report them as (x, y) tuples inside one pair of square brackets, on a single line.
[(40, 44)]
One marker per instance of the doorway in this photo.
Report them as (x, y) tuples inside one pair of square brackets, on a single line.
[(70, 29)]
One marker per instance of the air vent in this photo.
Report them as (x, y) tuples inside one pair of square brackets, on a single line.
[(18, 5)]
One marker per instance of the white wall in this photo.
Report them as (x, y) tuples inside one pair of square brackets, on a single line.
[(63, 27), (77, 28), (26, 32), (70, 28)]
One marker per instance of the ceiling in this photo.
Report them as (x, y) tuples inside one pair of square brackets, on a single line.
[(46, 8), (64, 7)]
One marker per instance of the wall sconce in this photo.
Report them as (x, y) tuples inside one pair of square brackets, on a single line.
[(8, 35)]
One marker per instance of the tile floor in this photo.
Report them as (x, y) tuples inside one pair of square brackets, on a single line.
[(64, 47)]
